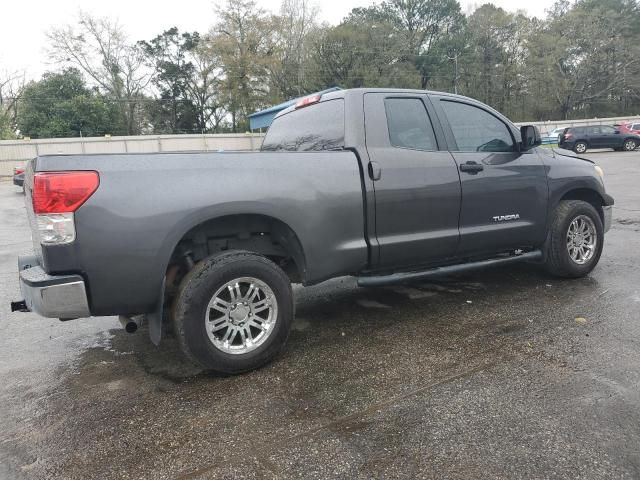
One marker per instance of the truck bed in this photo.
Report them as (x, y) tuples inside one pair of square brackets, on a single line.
[(128, 229)]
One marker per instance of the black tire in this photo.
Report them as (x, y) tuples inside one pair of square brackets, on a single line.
[(629, 145), (197, 289), (579, 145), (558, 262)]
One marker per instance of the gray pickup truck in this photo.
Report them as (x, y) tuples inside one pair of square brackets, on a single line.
[(389, 186)]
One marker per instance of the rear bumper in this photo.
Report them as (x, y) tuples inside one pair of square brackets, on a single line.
[(608, 214), (18, 180), (52, 296)]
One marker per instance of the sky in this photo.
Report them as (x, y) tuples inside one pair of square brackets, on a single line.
[(23, 24)]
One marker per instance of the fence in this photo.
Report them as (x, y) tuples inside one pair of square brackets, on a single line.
[(553, 124), (14, 153)]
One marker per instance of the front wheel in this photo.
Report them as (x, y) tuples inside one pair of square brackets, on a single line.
[(233, 312), (575, 239), (630, 145), (580, 147)]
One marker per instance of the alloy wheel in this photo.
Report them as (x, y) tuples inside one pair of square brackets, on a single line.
[(241, 315)]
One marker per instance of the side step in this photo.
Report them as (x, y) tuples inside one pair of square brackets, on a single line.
[(395, 278)]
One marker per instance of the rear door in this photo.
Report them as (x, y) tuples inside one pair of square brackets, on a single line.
[(416, 181), (596, 137), (504, 191)]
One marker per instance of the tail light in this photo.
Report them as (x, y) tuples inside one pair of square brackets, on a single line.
[(56, 196), (305, 102), (18, 171), (567, 136)]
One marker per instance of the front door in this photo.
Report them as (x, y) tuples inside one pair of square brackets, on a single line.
[(606, 137), (417, 186), (504, 191)]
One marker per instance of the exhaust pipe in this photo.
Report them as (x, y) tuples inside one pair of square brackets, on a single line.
[(131, 324)]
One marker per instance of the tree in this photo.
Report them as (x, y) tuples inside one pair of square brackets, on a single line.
[(99, 48), (168, 55), (363, 51), (589, 53), (423, 25), (295, 30), (205, 83), (244, 36), (11, 88), (61, 105), (493, 63)]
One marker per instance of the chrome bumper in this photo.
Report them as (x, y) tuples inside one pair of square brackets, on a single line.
[(52, 296), (608, 213)]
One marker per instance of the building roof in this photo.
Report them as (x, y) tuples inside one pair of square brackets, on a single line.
[(263, 118)]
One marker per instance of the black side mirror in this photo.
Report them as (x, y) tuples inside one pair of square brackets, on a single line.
[(530, 137)]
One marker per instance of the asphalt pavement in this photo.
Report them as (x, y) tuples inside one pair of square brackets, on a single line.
[(507, 373)]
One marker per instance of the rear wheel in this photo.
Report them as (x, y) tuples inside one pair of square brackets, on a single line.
[(630, 145), (233, 312), (580, 147), (575, 239)]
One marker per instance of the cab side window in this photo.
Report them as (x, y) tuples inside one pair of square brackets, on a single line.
[(476, 130), (409, 124)]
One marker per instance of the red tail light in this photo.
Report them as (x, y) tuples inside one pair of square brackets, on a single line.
[(18, 171), (308, 101), (62, 192), (567, 136)]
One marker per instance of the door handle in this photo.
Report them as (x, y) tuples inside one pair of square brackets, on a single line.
[(375, 172), (471, 167)]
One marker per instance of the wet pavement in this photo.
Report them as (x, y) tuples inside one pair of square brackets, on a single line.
[(506, 373)]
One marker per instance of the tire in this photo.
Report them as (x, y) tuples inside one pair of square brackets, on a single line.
[(629, 145), (197, 312), (580, 147), (558, 260)]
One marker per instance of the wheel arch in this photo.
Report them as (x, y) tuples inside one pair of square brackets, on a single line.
[(288, 246), (588, 195), (260, 233)]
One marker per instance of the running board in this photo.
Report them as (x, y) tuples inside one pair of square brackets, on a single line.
[(395, 278)]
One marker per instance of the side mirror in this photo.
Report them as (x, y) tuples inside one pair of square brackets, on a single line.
[(530, 137)]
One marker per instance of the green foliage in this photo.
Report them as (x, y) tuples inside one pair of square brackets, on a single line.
[(168, 54), (60, 105), (582, 61), (7, 131)]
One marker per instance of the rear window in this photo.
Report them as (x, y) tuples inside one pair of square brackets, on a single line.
[(313, 128)]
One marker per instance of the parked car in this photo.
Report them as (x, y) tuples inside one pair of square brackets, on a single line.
[(553, 136), (18, 177), (386, 185), (633, 127), (580, 139)]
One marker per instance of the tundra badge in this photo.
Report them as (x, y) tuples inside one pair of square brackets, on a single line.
[(505, 218)]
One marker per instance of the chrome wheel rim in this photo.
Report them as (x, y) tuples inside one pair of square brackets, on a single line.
[(582, 239), (630, 145), (581, 148), (241, 315)]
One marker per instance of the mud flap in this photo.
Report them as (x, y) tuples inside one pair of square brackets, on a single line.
[(155, 319)]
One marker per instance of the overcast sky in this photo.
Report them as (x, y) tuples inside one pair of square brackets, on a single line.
[(23, 23)]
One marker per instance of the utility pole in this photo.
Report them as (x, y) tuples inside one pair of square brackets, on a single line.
[(455, 74)]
